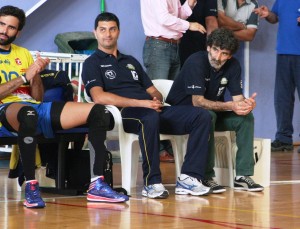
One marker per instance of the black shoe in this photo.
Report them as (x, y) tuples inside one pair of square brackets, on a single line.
[(280, 146), (214, 186), (247, 184)]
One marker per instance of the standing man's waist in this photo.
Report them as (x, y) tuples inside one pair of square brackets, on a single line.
[(160, 38)]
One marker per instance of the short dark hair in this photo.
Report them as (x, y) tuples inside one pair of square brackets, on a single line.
[(16, 12), (224, 39), (106, 16)]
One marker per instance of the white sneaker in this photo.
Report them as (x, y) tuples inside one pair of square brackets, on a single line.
[(190, 185), (155, 191)]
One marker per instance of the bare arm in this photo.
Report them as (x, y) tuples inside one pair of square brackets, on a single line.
[(211, 23), (37, 88), (154, 93), (106, 98), (264, 12), (247, 34), (32, 71), (239, 105), (9, 87)]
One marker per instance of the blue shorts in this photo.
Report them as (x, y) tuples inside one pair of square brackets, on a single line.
[(44, 120)]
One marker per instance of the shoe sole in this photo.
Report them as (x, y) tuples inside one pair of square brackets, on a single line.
[(249, 190), (218, 191), (28, 205), (104, 199), (282, 148), (181, 191)]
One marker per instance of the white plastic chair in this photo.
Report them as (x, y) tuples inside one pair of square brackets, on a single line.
[(129, 145)]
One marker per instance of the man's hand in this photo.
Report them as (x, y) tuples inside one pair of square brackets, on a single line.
[(195, 26), (245, 106), (38, 65), (262, 11), (154, 104)]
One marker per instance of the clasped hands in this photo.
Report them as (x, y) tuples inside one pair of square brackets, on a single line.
[(245, 106)]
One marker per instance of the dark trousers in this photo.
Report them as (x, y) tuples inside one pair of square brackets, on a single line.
[(287, 80), (175, 120)]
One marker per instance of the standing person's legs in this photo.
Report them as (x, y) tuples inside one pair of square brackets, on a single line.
[(284, 103), (162, 61), (296, 71)]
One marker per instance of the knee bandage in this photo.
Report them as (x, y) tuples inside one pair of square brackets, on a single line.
[(99, 118), (28, 119)]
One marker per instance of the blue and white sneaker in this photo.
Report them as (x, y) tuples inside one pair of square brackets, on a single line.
[(155, 191), (99, 191), (33, 198), (189, 185)]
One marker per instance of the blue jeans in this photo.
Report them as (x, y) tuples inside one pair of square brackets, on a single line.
[(286, 82), (161, 59)]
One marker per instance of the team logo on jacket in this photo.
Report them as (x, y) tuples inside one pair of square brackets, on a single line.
[(135, 75), (18, 61), (110, 74), (224, 81), (130, 67)]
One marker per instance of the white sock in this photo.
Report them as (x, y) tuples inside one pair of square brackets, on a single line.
[(238, 177)]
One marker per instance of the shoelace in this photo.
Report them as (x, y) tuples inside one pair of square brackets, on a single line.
[(212, 183), (195, 180), (249, 180)]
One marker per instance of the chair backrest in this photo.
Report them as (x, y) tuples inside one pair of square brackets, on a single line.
[(163, 86)]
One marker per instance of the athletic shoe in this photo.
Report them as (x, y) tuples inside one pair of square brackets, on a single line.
[(190, 185), (247, 184), (281, 146), (214, 186), (155, 191), (33, 198), (99, 191)]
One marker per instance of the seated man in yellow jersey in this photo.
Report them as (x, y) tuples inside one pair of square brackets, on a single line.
[(24, 116)]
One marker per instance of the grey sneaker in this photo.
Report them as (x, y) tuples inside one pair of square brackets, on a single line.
[(189, 185), (155, 191), (247, 184), (215, 187)]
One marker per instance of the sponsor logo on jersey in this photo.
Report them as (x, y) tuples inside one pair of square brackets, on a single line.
[(194, 87), (110, 74), (18, 61)]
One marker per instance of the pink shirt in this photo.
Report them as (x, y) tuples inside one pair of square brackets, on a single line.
[(165, 18)]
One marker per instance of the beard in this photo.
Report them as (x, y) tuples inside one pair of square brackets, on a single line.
[(8, 41), (216, 64)]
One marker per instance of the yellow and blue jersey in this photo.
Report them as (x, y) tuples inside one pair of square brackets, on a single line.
[(13, 64)]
